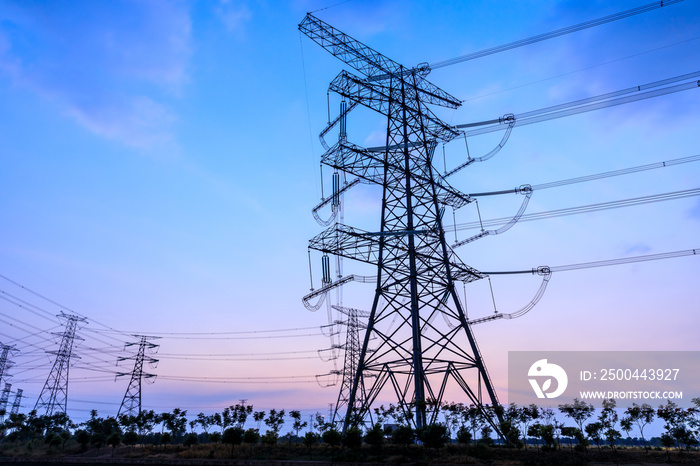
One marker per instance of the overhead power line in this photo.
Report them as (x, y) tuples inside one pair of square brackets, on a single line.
[(553, 34), (597, 176), (240, 332), (610, 99), (579, 209), (606, 263), (55, 303), (519, 86), (261, 337)]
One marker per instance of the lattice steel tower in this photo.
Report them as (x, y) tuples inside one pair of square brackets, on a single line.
[(16, 403), (131, 403), (3, 399), (5, 363), (420, 357), (351, 361), (54, 395)]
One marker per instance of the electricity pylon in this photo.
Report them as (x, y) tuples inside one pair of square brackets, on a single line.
[(419, 358), (5, 363), (131, 403), (54, 395), (352, 356), (3, 399), (18, 400)]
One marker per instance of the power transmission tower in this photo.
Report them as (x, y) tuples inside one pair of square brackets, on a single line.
[(54, 395), (419, 359), (3, 399), (352, 356), (131, 403), (18, 400), (5, 364)]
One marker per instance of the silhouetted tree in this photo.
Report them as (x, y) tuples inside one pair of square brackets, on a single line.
[(352, 438), (433, 436), (641, 416), (298, 424), (233, 436)]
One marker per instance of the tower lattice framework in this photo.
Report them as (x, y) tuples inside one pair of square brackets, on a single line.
[(17, 402), (422, 344), (5, 363), (131, 403), (54, 395), (352, 349), (3, 399)]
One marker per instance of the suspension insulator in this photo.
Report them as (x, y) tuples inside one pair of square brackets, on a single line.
[(326, 268), (336, 189), (343, 126)]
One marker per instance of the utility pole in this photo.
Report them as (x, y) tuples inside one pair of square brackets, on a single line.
[(131, 403), (54, 395)]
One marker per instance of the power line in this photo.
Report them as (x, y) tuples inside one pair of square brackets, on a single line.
[(247, 338), (598, 176), (55, 303), (294, 358), (481, 96), (553, 34), (580, 209), (238, 354), (15, 300), (242, 332), (609, 99), (606, 263)]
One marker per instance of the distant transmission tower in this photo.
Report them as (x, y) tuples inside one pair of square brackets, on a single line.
[(131, 404), (415, 356), (352, 357), (54, 395), (16, 403), (3, 399), (5, 363)]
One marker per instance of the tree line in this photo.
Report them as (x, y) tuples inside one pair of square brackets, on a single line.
[(513, 425)]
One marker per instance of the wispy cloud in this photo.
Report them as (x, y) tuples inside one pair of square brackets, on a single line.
[(112, 66), (695, 211), (234, 15), (638, 248)]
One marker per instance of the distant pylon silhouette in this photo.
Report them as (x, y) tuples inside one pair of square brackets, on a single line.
[(353, 350), (54, 395), (5, 364), (131, 404), (18, 400), (3, 399)]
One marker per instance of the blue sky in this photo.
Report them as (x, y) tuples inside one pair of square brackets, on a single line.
[(160, 160)]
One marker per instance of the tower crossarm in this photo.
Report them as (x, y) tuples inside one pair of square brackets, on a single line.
[(371, 164), (378, 95), (351, 311), (348, 242), (371, 63), (352, 159), (463, 273)]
